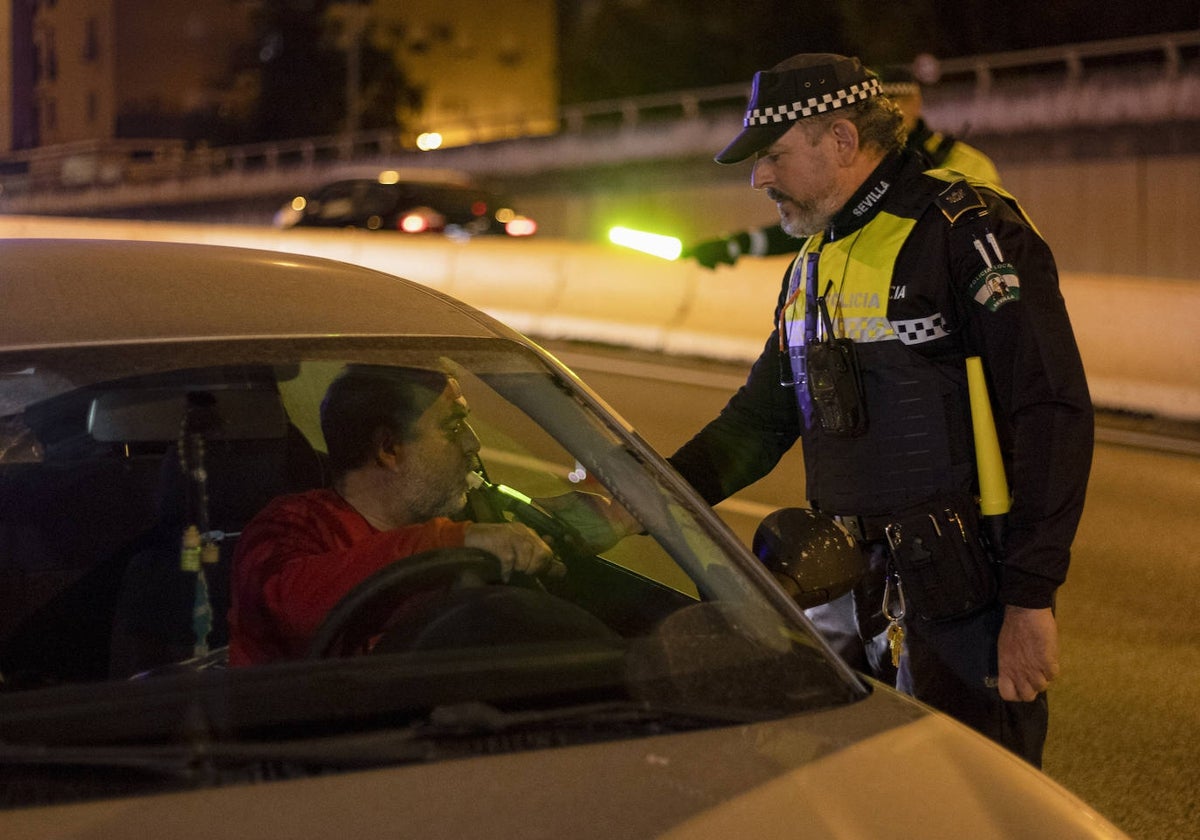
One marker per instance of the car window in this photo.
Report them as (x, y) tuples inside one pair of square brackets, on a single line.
[(336, 203), (110, 459), (374, 199)]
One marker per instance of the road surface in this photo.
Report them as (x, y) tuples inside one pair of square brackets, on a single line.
[(1125, 713)]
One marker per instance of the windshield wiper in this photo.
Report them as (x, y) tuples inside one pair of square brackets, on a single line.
[(482, 718), (449, 731)]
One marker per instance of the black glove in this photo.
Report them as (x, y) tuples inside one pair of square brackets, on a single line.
[(713, 252)]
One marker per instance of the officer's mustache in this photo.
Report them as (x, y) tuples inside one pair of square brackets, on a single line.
[(777, 196)]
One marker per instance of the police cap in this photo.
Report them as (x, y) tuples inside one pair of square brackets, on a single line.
[(802, 86)]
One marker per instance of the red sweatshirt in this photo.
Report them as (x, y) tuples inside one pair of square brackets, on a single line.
[(301, 555)]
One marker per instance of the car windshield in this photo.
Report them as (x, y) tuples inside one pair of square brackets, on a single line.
[(128, 472)]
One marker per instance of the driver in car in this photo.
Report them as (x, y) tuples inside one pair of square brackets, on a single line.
[(400, 450)]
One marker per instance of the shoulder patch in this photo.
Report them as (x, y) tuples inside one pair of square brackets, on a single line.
[(959, 198), (995, 286)]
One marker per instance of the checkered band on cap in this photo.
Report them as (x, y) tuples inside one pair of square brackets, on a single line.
[(812, 106), (901, 88)]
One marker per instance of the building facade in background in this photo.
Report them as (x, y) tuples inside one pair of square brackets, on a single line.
[(125, 69), (486, 70), (18, 116), (86, 85), (99, 90)]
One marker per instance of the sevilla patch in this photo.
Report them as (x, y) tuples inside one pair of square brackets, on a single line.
[(996, 285)]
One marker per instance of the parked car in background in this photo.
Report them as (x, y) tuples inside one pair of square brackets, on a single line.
[(410, 202), (667, 686)]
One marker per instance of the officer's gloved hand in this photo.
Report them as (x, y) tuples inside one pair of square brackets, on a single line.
[(599, 521), (712, 252)]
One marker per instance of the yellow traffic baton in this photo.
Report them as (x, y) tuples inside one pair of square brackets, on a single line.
[(994, 498)]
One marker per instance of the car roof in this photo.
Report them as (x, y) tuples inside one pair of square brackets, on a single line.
[(84, 292)]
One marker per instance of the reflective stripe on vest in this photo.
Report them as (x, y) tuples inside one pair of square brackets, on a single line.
[(857, 270), (912, 449)]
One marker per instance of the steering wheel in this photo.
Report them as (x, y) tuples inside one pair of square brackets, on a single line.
[(365, 609)]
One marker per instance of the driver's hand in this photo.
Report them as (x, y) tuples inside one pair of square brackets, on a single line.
[(600, 522), (517, 546)]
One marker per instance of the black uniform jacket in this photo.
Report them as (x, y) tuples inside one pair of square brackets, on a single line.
[(1039, 393)]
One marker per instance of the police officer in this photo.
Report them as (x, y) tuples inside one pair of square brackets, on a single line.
[(941, 150), (903, 274)]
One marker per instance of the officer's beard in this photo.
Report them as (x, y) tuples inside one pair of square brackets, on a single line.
[(803, 218)]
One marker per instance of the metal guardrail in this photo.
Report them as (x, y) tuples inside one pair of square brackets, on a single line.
[(108, 164), (1169, 48)]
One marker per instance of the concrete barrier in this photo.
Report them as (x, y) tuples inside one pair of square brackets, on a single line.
[(1140, 341), (1139, 336)]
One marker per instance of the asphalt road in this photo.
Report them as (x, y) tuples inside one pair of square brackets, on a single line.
[(1125, 713)]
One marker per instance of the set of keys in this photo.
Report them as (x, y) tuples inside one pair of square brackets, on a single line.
[(895, 637), (893, 589)]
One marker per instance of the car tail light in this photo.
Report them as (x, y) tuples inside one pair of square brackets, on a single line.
[(520, 226)]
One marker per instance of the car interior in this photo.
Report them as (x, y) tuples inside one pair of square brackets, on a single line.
[(99, 485), (91, 575)]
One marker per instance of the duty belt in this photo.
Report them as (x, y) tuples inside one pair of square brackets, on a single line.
[(863, 528)]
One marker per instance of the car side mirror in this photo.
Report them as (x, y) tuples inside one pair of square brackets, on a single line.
[(812, 556)]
